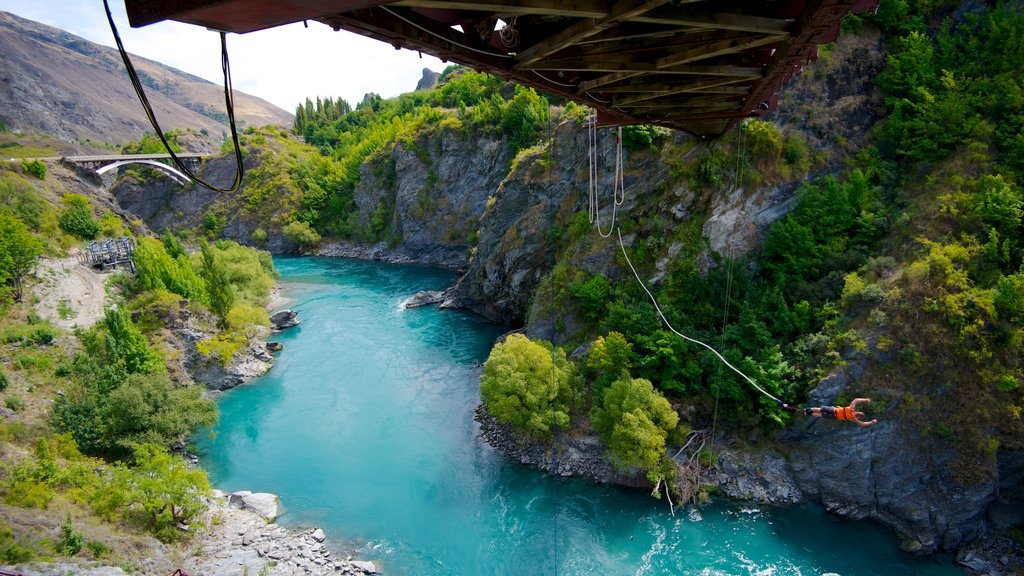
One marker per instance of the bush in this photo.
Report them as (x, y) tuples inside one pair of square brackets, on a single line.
[(35, 168), (167, 490), (71, 540), (527, 385), (14, 403), (77, 219), (259, 236), (3, 381), (300, 233), (214, 224)]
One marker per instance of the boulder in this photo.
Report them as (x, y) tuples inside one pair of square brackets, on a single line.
[(274, 347), (366, 567), (425, 298), (284, 319), (263, 503)]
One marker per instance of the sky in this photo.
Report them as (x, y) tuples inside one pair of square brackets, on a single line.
[(282, 65)]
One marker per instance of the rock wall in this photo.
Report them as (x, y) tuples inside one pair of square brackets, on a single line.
[(432, 191)]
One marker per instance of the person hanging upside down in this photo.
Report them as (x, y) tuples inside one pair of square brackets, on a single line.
[(842, 412)]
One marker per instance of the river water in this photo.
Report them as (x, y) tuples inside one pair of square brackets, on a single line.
[(365, 428)]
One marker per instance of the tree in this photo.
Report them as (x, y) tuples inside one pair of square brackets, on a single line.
[(164, 486), (124, 345), (148, 408), (19, 250), (527, 385), (608, 358), (158, 269), (218, 286), (634, 420)]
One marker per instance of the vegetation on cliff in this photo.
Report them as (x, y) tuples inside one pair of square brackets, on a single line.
[(906, 262), (90, 414)]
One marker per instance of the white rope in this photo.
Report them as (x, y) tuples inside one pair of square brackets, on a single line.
[(684, 336), (618, 181)]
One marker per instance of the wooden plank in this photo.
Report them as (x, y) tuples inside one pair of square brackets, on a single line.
[(584, 29)]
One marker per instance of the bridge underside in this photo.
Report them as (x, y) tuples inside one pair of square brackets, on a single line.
[(698, 66)]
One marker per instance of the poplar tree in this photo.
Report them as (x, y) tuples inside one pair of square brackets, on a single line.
[(218, 286)]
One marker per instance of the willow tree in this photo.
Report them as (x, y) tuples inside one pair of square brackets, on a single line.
[(634, 420), (528, 385)]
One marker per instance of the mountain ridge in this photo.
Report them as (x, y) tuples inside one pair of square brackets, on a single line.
[(43, 90)]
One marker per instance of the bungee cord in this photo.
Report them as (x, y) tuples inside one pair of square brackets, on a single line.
[(687, 338), (618, 185), (229, 104), (618, 198)]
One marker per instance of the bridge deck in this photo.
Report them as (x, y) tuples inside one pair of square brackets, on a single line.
[(695, 65), (122, 157)]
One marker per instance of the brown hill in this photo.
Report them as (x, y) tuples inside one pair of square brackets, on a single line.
[(56, 83)]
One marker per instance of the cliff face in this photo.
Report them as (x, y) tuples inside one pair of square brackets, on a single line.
[(429, 193)]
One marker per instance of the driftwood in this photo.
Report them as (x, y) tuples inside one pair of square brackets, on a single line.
[(688, 469)]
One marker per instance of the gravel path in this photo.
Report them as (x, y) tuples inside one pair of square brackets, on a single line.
[(80, 288)]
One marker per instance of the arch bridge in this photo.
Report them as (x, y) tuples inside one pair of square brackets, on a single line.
[(695, 65), (103, 164)]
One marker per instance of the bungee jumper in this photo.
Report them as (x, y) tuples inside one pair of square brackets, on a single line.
[(842, 412)]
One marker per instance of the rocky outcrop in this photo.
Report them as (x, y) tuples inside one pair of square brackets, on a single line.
[(425, 298), (758, 475), (238, 540), (428, 81), (187, 329), (580, 455), (284, 319)]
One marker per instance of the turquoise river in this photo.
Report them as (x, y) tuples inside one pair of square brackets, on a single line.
[(365, 427)]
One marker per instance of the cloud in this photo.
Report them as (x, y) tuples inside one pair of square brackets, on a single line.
[(283, 65)]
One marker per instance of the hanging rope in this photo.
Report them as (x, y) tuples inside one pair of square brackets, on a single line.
[(554, 383), (618, 185), (229, 104), (725, 323), (694, 340)]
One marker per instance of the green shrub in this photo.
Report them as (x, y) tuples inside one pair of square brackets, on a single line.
[(214, 224), (3, 381), (259, 236), (14, 403), (111, 225), (11, 552), (35, 168), (300, 233), (634, 420), (28, 493), (77, 219), (71, 540), (97, 549)]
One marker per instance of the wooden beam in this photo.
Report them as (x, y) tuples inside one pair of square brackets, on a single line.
[(715, 49), (689, 89), (584, 29), (565, 8), (647, 84), (672, 16), (681, 102)]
